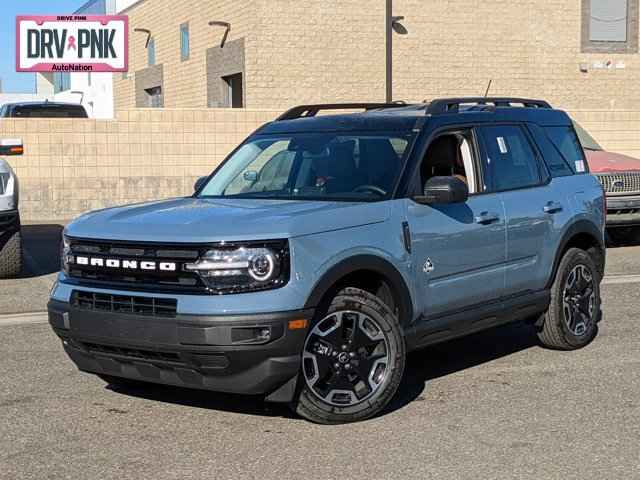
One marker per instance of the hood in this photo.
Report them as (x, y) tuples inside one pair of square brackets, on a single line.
[(606, 162), (207, 220)]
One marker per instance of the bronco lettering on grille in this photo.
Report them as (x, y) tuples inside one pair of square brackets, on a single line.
[(126, 264)]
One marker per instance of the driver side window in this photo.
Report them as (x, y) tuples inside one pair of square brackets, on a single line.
[(451, 154)]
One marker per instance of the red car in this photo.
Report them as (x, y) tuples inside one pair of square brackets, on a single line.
[(620, 177)]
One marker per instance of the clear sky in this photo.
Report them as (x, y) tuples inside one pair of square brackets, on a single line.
[(11, 80)]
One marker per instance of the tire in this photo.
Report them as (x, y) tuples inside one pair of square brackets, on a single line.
[(356, 337), (11, 257), (571, 322)]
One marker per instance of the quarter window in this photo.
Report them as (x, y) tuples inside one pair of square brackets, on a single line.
[(511, 161), (568, 144), (556, 163)]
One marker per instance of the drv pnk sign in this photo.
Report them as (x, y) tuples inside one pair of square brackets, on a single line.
[(72, 43)]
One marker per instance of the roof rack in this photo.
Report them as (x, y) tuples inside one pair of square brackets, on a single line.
[(303, 111), (452, 105)]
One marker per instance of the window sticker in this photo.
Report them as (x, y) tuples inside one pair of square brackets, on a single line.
[(502, 145), (579, 166)]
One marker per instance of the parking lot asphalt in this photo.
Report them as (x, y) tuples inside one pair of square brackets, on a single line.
[(493, 405)]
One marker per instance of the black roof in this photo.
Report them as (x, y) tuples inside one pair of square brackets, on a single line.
[(405, 117), (38, 103)]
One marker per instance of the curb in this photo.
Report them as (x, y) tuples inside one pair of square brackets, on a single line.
[(23, 319)]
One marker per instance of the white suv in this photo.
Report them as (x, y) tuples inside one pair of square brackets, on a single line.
[(10, 238)]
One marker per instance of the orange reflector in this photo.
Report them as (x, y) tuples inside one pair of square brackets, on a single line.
[(16, 150), (297, 324)]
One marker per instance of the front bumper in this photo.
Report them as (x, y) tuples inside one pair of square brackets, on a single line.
[(187, 351), (623, 211), (9, 225)]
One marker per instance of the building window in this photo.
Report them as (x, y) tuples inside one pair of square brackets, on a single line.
[(154, 97), (233, 94), (61, 81), (610, 26), (184, 41), (151, 52)]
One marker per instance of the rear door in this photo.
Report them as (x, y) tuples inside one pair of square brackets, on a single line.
[(532, 205)]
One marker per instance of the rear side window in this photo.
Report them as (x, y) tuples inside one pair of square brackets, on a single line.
[(567, 143), (556, 164), (50, 111), (511, 160)]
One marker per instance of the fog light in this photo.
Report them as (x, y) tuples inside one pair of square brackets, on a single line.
[(260, 334)]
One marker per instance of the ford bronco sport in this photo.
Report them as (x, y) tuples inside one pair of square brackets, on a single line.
[(325, 247)]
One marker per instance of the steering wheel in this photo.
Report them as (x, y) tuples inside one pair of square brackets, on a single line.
[(370, 188)]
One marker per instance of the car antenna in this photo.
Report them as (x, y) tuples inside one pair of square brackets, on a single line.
[(486, 93)]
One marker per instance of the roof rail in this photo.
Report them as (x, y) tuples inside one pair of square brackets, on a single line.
[(303, 111), (452, 105)]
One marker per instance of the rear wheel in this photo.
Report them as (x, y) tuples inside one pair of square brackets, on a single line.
[(11, 257), (571, 321), (353, 360)]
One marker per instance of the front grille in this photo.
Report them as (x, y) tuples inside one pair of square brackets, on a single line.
[(178, 280), (623, 183), (133, 353), (146, 306)]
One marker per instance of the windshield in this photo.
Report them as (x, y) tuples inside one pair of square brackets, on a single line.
[(318, 166), (587, 141)]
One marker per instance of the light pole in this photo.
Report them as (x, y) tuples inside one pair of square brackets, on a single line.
[(391, 25)]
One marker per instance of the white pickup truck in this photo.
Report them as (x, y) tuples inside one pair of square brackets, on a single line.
[(10, 237)]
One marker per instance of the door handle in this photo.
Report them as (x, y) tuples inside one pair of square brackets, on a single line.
[(552, 207), (487, 217)]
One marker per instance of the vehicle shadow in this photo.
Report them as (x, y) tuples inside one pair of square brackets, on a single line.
[(41, 249), (422, 367), (623, 237), (454, 356)]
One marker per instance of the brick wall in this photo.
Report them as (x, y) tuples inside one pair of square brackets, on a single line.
[(72, 166), (184, 82), (528, 47), (334, 50)]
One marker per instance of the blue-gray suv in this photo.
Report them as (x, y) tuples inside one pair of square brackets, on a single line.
[(326, 247)]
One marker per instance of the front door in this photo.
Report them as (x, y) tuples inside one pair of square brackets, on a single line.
[(458, 250)]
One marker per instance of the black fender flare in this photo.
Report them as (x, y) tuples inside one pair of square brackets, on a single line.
[(577, 228), (374, 263)]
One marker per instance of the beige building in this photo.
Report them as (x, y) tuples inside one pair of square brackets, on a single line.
[(575, 53)]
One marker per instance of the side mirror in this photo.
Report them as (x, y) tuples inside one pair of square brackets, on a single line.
[(11, 146), (199, 183), (443, 190), (250, 176)]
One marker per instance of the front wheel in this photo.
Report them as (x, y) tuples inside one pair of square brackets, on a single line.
[(571, 321), (353, 360)]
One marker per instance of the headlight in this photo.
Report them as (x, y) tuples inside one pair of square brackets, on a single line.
[(65, 253), (4, 182), (243, 268)]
